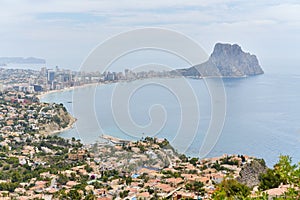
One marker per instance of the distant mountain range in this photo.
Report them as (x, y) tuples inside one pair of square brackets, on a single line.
[(226, 61), (21, 60)]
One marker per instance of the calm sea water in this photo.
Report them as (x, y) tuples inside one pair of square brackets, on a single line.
[(262, 119)]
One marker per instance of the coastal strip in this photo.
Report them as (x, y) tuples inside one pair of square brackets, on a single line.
[(45, 93), (114, 140)]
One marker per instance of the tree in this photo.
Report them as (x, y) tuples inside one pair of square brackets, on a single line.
[(231, 189), (296, 175), (196, 187), (8, 186), (74, 195), (16, 177), (73, 177), (90, 196), (62, 179), (183, 158), (88, 168), (284, 172), (97, 185), (285, 169), (268, 180), (128, 180), (56, 119), (124, 194), (243, 158), (194, 161)]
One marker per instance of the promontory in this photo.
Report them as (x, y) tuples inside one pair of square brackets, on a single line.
[(227, 60)]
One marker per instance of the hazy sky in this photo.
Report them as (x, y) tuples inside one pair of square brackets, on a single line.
[(65, 31)]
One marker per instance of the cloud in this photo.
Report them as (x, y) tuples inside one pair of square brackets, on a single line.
[(51, 28)]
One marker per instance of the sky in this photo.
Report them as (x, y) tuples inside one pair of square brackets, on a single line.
[(64, 32)]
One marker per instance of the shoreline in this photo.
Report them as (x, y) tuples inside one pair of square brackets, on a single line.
[(68, 127), (43, 94), (72, 120)]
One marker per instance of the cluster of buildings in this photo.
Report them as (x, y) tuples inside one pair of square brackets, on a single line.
[(156, 171), (31, 81), (27, 171), (101, 171), (23, 113), (35, 166)]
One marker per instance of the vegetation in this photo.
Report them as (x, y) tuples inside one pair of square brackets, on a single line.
[(231, 189), (284, 172), (28, 157), (15, 172), (271, 179), (196, 187)]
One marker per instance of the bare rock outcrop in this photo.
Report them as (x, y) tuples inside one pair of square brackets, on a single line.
[(249, 174), (226, 61)]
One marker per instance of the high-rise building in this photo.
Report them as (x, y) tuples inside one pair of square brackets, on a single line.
[(44, 71), (51, 76), (37, 88)]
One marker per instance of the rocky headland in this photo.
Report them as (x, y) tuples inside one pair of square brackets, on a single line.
[(226, 61)]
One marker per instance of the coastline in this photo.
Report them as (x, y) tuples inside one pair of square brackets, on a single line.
[(43, 94), (72, 119), (68, 127)]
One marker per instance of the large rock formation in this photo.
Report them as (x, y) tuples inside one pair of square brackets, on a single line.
[(226, 61), (250, 172)]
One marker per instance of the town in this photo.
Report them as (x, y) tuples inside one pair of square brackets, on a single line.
[(33, 81), (37, 164)]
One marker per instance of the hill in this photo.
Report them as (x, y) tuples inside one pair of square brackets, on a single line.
[(21, 60)]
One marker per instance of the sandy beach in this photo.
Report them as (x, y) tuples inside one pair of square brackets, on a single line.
[(43, 94)]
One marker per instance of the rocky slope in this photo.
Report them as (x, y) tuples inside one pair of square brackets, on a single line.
[(226, 61), (61, 120), (249, 174)]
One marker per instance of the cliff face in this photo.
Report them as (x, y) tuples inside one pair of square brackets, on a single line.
[(249, 175), (227, 61), (61, 121)]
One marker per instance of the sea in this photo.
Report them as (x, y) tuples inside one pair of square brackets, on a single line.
[(262, 117)]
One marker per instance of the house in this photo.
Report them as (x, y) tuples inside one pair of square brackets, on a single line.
[(70, 184), (217, 178), (174, 181), (276, 192), (183, 195), (143, 195), (164, 187), (79, 155)]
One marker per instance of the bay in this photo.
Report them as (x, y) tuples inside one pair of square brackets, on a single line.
[(262, 117)]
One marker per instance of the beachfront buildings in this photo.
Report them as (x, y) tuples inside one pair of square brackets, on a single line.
[(32, 81)]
